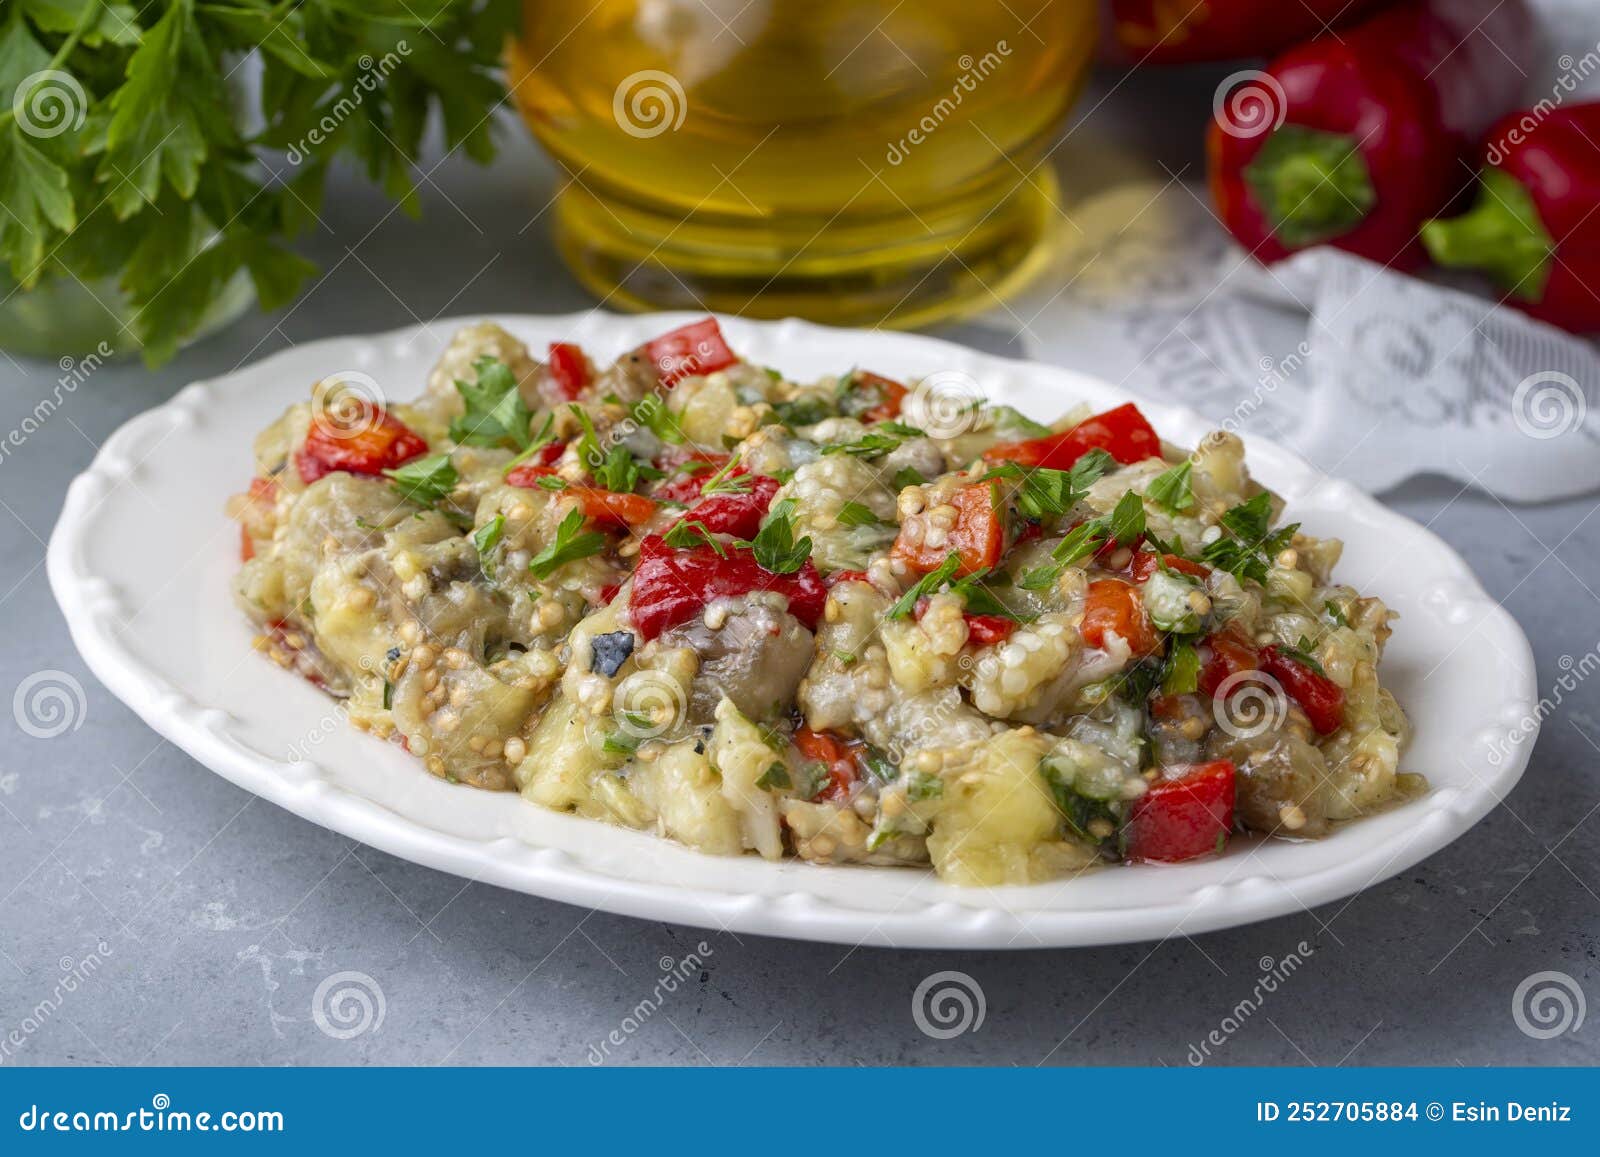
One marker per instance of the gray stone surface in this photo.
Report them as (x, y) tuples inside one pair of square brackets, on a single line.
[(209, 919)]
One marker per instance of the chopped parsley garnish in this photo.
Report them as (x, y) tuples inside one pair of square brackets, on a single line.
[(425, 480), (495, 413), (486, 538), (856, 514), (1245, 555), (1171, 489), (543, 438), (571, 543), (1122, 526), (687, 535), (1180, 675), (878, 765), (1304, 653), (1043, 492), (926, 585), (618, 472), (652, 413), (775, 547), (870, 445), (1337, 615), (776, 776), (725, 481), (906, 476), (979, 601), (802, 412), (899, 429), (622, 742), (922, 786)]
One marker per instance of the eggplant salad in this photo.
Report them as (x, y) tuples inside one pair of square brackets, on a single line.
[(851, 620)]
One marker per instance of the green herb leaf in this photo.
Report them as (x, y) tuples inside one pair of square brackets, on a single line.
[(776, 776), (1334, 613), (425, 480), (725, 481), (486, 538), (979, 600), (906, 476), (652, 413), (571, 543), (926, 585), (539, 441), (1127, 520), (495, 413), (870, 445), (687, 535), (775, 547), (1171, 489), (1180, 675), (855, 514)]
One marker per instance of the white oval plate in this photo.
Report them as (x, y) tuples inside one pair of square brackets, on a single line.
[(142, 557)]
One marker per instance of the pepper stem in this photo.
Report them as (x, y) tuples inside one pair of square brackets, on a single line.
[(1312, 185), (1502, 235)]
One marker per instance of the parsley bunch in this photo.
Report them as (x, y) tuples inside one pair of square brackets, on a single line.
[(124, 153)]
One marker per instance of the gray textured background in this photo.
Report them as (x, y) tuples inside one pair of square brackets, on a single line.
[(213, 917)]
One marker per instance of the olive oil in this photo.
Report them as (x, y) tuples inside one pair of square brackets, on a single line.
[(853, 161)]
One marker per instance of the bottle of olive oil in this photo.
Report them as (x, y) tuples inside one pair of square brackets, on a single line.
[(851, 161)]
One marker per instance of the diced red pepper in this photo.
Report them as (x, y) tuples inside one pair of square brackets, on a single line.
[(374, 442), (738, 514), (1144, 565), (541, 465), (262, 494), (847, 576), (835, 754), (1183, 816), (568, 367), (609, 508), (690, 350), (671, 586), (987, 630), (1319, 696), (687, 486), (891, 394), (978, 536), (1112, 606), (1124, 433), (1222, 656)]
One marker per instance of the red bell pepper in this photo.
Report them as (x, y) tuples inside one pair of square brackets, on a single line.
[(568, 368), (883, 395), (834, 753), (1319, 696), (609, 508), (978, 535), (672, 586), (1144, 565), (1186, 815), (1533, 230), (1186, 31), (1222, 656), (1124, 433), (689, 350), (376, 442), (1357, 138), (738, 514), (987, 630), (1110, 607)]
